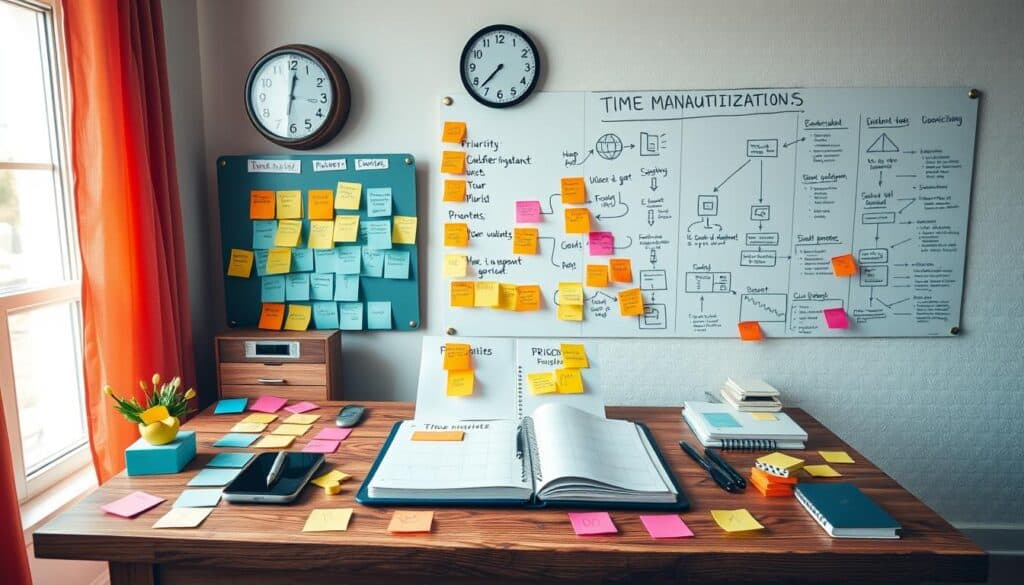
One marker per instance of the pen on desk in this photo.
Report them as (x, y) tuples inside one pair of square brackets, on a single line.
[(720, 477), (724, 465), (275, 468)]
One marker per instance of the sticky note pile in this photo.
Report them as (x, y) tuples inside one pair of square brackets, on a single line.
[(570, 301), (331, 481), (565, 380), (458, 363), (491, 294), (773, 474)]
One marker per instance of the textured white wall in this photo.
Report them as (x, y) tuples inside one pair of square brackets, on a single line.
[(943, 416)]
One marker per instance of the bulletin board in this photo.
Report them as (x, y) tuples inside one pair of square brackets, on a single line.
[(238, 176)]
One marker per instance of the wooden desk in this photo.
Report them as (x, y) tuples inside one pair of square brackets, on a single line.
[(264, 544)]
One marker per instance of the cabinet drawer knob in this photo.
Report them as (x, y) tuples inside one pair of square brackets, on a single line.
[(270, 380)]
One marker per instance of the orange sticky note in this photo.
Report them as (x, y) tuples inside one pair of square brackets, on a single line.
[(622, 269), (524, 240), (453, 162), (507, 296), (460, 383), (750, 331), (456, 356), (272, 316), (577, 220), (574, 190), (456, 235), (631, 302), (410, 521), (463, 293), (262, 204), (454, 190), (438, 435), (844, 265), (597, 275), (528, 297), (321, 204), (453, 132)]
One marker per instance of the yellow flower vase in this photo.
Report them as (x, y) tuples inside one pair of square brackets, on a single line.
[(161, 432)]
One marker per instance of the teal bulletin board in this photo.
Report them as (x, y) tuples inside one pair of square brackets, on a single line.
[(382, 275)]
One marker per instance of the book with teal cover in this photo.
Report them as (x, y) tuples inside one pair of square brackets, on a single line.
[(846, 512)]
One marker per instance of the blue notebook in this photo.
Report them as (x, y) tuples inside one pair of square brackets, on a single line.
[(846, 512)]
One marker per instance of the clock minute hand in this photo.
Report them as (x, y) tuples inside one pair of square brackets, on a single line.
[(491, 76), (291, 93)]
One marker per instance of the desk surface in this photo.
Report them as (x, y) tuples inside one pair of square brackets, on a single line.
[(264, 544)]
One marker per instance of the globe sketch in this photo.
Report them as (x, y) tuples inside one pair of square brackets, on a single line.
[(609, 147)]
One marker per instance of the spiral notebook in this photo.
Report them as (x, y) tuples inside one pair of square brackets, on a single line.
[(720, 425)]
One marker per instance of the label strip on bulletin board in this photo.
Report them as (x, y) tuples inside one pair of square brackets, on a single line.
[(320, 242)]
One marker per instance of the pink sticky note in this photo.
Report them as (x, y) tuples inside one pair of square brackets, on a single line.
[(586, 523), (302, 407), (321, 446), (268, 404), (132, 505), (836, 318), (528, 211), (333, 434), (666, 526), (602, 244)]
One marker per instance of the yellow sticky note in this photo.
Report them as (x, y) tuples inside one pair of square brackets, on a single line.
[(274, 442), (453, 132), (574, 355), (289, 233), (570, 293), (290, 429), (347, 195), (438, 435), (289, 205), (333, 489), (542, 383), (410, 521), (346, 228), (528, 297), (462, 293), (569, 380), (781, 461), (298, 317), (577, 220), (456, 235), (631, 302), (261, 204), (821, 471), (836, 456), (524, 240), (154, 414), (453, 162), (621, 269), (249, 427), (507, 296), (574, 190), (260, 418), (485, 294), (454, 190), (321, 204), (460, 383), (455, 265), (763, 416), (570, 312), (457, 357), (404, 229), (321, 234), (335, 520), (331, 477), (272, 316), (301, 419), (240, 264), (736, 520), (597, 275)]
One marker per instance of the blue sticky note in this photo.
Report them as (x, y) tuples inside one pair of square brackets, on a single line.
[(240, 440), (396, 264), (272, 288), (297, 287), (261, 262), (197, 499), (373, 263), (350, 316), (347, 260), (322, 287), (213, 477), (263, 233), (325, 315), (378, 202), (230, 460), (346, 287), (302, 260), (722, 420), (230, 406), (378, 235), (378, 315), (324, 260)]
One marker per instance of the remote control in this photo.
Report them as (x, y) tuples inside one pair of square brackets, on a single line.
[(349, 416)]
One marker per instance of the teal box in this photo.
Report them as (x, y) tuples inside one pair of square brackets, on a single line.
[(145, 459)]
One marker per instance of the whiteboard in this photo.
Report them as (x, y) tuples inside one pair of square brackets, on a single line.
[(730, 205)]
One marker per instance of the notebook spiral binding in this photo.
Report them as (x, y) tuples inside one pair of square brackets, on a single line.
[(519, 393), (534, 454), (748, 444)]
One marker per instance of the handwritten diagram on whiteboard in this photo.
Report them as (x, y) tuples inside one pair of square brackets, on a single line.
[(730, 205)]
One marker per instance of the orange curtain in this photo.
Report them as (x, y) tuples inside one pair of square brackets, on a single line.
[(13, 557), (134, 283)]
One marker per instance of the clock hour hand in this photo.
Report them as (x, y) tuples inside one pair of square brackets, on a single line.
[(291, 93), (491, 76)]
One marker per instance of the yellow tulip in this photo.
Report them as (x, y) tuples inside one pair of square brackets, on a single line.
[(176, 382), (190, 394), (108, 390), (142, 384), (156, 379)]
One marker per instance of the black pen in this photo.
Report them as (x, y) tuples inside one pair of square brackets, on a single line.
[(724, 465), (716, 474)]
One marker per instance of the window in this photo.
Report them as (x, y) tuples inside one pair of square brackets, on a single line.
[(40, 291)]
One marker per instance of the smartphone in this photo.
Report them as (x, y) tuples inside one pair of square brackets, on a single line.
[(250, 486)]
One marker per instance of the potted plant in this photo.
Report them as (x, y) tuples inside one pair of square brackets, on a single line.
[(160, 418)]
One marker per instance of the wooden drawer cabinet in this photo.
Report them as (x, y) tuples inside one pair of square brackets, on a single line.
[(302, 365)]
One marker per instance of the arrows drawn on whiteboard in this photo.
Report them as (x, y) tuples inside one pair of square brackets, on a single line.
[(553, 248)]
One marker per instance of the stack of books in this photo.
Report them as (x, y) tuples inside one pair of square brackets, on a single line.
[(775, 474), (750, 395), (721, 425)]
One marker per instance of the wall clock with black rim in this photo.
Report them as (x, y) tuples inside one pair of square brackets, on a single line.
[(297, 96), (500, 66)]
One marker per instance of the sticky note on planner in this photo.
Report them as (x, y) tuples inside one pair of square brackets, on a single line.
[(750, 331), (462, 293), (631, 303), (457, 357), (438, 435), (261, 204), (455, 265), (453, 132), (597, 275), (321, 234), (524, 240), (272, 316), (528, 212), (570, 293), (453, 162), (454, 190), (404, 231), (574, 355), (542, 383), (240, 263), (460, 383), (569, 381), (602, 244), (485, 293), (347, 195), (528, 297), (577, 220), (844, 265), (836, 318), (298, 317), (321, 204), (621, 269), (289, 233), (289, 204), (574, 190), (456, 235)]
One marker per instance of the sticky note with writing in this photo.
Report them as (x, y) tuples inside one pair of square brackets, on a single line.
[(378, 315), (240, 263), (373, 263), (750, 330), (528, 297), (463, 293), (528, 212), (569, 381), (574, 190), (346, 287), (621, 269), (396, 264), (577, 220), (570, 293), (261, 205), (302, 260), (485, 294), (457, 357), (296, 287), (524, 240), (263, 234), (844, 265), (347, 195), (378, 202), (350, 316), (404, 231), (325, 315), (631, 302), (456, 235), (262, 256), (346, 228), (574, 355), (735, 520), (321, 287), (453, 132), (602, 243), (453, 162), (410, 521), (328, 520), (507, 295), (460, 383), (347, 259), (836, 318), (454, 190), (279, 261), (570, 312), (325, 261), (378, 235), (289, 205), (298, 317), (321, 204), (455, 265), (541, 382), (289, 233), (597, 275), (589, 523), (321, 234), (272, 316), (438, 435)]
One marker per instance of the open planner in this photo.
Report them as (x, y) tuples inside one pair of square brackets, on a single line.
[(516, 448)]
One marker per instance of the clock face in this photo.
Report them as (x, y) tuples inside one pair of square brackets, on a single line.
[(500, 66), (290, 96)]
